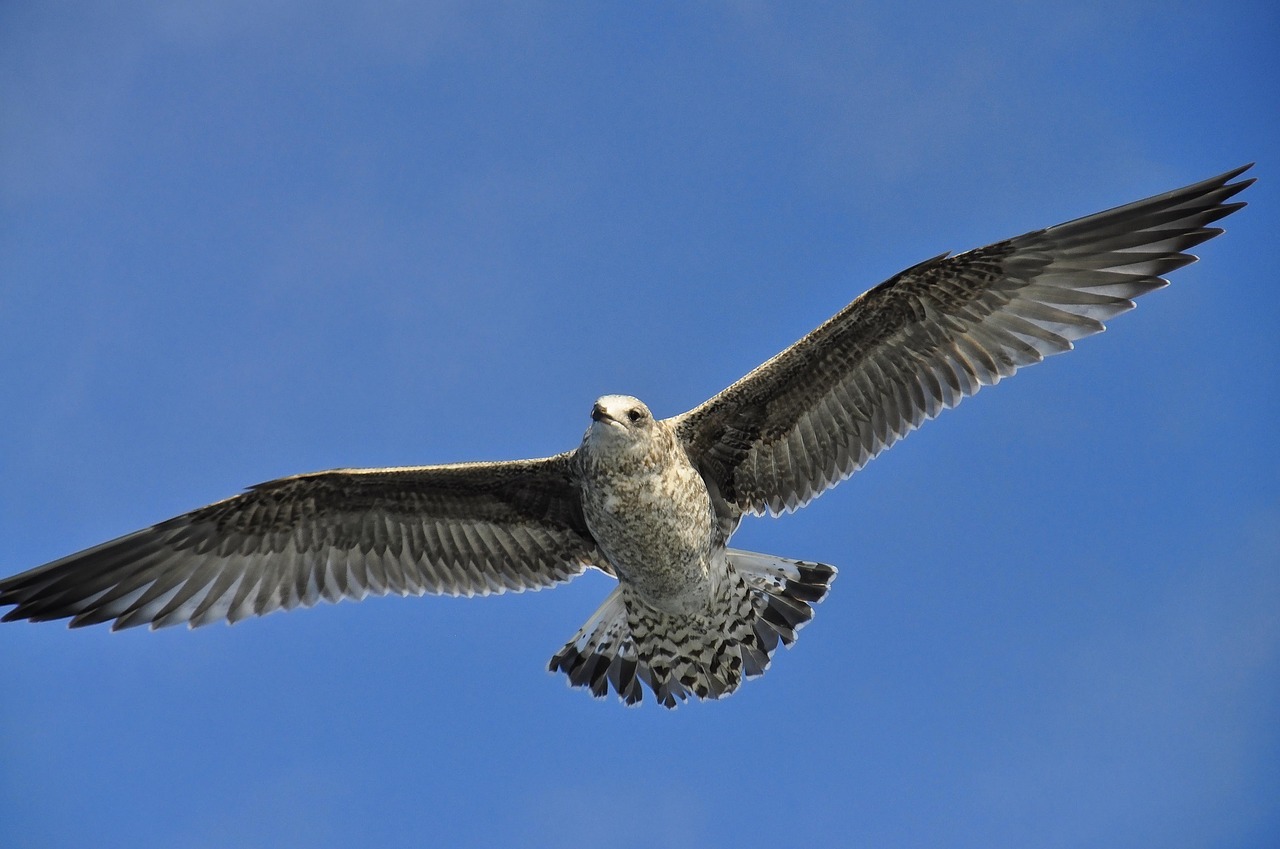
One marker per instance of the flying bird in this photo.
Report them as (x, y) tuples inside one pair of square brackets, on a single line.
[(652, 502)]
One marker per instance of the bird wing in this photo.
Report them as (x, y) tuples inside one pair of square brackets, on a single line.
[(932, 335), (469, 529)]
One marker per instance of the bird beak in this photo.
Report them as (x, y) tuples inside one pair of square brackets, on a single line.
[(599, 415)]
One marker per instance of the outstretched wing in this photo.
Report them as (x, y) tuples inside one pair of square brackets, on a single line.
[(469, 529), (933, 335)]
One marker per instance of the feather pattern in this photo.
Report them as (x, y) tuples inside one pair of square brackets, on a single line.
[(468, 529), (933, 335)]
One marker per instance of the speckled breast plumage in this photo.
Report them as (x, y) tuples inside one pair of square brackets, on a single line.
[(651, 516)]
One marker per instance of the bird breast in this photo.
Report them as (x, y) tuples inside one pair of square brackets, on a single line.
[(653, 521)]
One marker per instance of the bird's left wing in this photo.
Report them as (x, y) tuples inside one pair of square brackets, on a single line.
[(467, 529), (931, 336)]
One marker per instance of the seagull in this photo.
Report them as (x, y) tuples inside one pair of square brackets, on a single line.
[(651, 502)]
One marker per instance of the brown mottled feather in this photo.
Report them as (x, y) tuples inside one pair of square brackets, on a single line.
[(932, 335), (469, 529)]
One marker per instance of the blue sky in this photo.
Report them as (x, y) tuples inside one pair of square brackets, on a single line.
[(243, 240)]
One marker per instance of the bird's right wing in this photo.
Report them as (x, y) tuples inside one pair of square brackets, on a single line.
[(467, 529)]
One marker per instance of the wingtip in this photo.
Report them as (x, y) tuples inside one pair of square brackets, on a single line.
[(1221, 183), (1226, 177), (1224, 181)]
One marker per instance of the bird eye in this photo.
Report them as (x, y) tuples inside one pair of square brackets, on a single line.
[(635, 415)]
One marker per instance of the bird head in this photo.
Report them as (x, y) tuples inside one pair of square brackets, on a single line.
[(620, 422)]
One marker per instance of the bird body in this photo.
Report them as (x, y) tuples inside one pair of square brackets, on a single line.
[(652, 502), (683, 607), (646, 505)]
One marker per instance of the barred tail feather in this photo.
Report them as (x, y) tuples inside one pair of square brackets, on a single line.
[(761, 601), (790, 589), (603, 653)]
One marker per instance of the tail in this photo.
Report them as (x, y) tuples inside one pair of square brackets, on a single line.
[(763, 600)]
